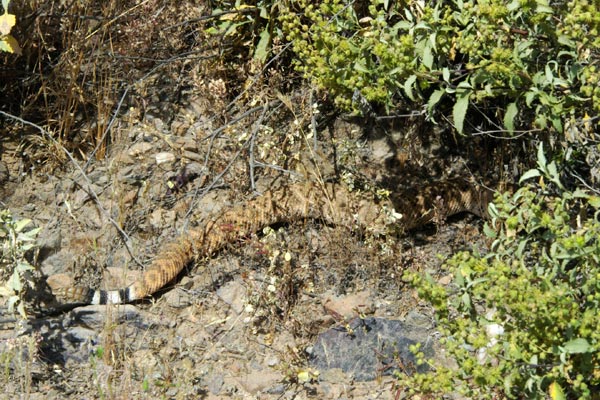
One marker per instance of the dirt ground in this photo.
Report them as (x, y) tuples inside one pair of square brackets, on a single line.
[(299, 310), (246, 322)]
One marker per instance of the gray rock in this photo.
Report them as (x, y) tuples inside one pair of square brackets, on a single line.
[(370, 347), (215, 382), (179, 297)]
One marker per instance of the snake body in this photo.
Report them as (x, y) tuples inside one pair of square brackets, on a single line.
[(332, 203)]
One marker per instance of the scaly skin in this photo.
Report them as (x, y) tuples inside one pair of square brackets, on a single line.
[(329, 202)]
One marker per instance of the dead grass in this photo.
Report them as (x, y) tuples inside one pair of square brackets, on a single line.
[(85, 64)]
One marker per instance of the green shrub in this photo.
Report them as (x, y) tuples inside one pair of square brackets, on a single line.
[(15, 242), (522, 62), (523, 319)]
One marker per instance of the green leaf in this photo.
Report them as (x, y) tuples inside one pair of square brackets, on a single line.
[(543, 7), (434, 99), (30, 235), (433, 41), (446, 74), (14, 282), (262, 48), (230, 28), (489, 231), (553, 174), (459, 279), (23, 266), (513, 5), (509, 117), (532, 173), (27, 246), (556, 392), (548, 73), (402, 25), (566, 41), (264, 13), (557, 123), (541, 157), (408, 87), (12, 300), (533, 360), (580, 194), (20, 224), (508, 383), (466, 300), (531, 96), (428, 56), (577, 346), (492, 210), (521, 248), (477, 281), (361, 67), (541, 121), (594, 201), (21, 309), (460, 110)]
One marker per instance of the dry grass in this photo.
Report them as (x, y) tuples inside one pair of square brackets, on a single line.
[(85, 64)]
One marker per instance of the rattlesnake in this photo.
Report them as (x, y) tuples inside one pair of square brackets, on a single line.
[(332, 203)]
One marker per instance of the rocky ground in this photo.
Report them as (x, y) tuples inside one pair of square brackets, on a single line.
[(304, 310)]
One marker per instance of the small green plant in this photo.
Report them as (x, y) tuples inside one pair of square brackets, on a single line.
[(7, 42), (15, 241), (523, 320)]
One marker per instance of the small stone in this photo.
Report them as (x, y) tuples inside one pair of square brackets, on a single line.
[(349, 306), (234, 294), (179, 127), (445, 280), (260, 381), (272, 360), (139, 149), (130, 197), (333, 375), (215, 383), (160, 218), (159, 124), (164, 158), (60, 281), (81, 334), (178, 298), (415, 318), (145, 360)]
